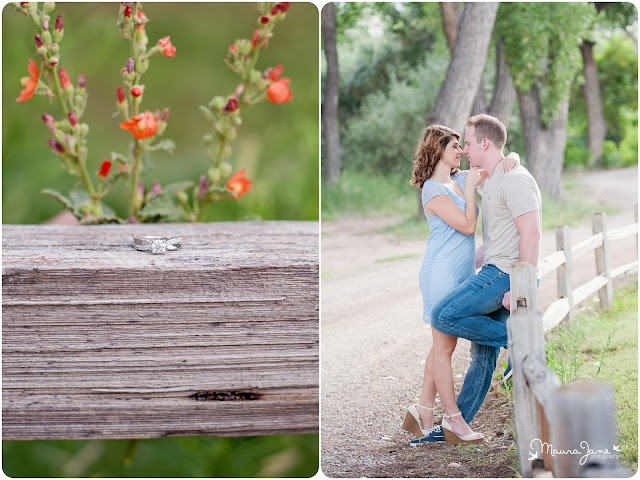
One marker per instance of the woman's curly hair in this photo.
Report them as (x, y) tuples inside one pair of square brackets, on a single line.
[(434, 140)]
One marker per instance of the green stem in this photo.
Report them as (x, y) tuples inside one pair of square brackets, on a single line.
[(135, 179), (57, 88)]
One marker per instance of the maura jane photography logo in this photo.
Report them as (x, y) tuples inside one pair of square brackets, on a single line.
[(584, 451)]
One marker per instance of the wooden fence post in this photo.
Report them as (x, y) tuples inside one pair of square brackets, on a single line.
[(635, 217), (526, 338), (564, 271), (602, 259), (583, 434)]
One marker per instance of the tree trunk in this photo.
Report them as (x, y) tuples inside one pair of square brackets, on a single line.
[(504, 92), (330, 104), (591, 90), (451, 21), (544, 145), (464, 74)]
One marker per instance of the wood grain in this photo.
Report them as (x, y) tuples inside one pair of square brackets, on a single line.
[(103, 341)]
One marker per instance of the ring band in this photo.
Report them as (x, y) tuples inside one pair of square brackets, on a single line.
[(156, 244)]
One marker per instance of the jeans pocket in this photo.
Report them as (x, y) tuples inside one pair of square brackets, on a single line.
[(500, 296)]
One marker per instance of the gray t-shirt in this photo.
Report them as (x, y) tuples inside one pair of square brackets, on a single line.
[(505, 196)]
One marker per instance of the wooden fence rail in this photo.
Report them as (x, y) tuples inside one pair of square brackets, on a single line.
[(563, 260), (102, 341), (568, 430)]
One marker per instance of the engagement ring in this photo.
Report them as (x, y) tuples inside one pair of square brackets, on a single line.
[(156, 244)]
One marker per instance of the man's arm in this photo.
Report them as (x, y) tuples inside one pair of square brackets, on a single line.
[(528, 226)]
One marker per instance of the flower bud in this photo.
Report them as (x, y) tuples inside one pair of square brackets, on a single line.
[(142, 18), (233, 48), (39, 42), (54, 49), (104, 169), (48, 6), (53, 61), (214, 175), (58, 31), (203, 188), (217, 103), (120, 94), (130, 65), (140, 190), (225, 169), (256, 37), (182, 197), (84, 129), (73, 119), (65, 83), (55, 145), (156, 188), (136, 91), (45, 22), (165, 114), (264, 19), (127, 11), (239, 90), (49, 122), (82, 81), (231, 106)]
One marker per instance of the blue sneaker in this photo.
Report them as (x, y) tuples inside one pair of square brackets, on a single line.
[(508, 372), (435, 435)]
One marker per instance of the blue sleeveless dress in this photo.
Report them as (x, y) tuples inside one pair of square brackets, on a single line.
[(450, 256)]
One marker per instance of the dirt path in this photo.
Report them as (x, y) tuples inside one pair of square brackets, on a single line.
[(373, 346)]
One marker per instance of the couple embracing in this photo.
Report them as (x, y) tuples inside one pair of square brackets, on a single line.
[(458, 302)]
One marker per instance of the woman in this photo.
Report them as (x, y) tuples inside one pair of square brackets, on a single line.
[(448, 197)]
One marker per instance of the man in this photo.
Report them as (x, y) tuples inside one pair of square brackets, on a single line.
[(511, 226)]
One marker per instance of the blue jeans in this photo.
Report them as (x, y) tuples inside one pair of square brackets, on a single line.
[(474, 311)]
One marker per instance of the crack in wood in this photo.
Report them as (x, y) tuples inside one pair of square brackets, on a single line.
[(224, 396)]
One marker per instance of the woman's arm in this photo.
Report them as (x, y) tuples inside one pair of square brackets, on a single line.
[(444, 207)]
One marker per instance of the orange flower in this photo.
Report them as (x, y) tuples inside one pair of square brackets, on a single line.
[(141, 126), (169, 50), (238, 184), (278, 91), (30, 83)]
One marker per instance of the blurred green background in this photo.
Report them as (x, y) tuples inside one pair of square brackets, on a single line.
[(274, 456), (278, 144)]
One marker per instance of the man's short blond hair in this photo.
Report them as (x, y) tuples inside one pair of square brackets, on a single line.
[(489, 127)]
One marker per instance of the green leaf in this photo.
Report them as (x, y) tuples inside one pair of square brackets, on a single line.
[(79, 198), (164, 206), (58, 196), (167, 145), (175, 188)]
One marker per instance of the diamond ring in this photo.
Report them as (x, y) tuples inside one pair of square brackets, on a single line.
[(156, 244)]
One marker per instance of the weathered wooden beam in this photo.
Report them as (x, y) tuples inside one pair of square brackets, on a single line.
[(583, 415), (565, 271), (103, 341), (525, 339), (602, 259)]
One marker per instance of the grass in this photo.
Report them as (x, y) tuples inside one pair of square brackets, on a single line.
[(603, 346), (370, 195)]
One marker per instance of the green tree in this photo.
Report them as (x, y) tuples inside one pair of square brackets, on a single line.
[(544, 60)]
